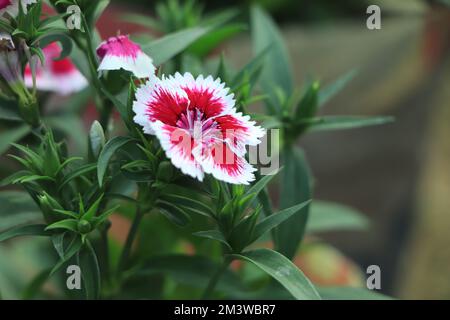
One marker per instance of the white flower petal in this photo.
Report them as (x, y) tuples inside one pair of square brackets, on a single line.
[(142, 66), (224, 164)]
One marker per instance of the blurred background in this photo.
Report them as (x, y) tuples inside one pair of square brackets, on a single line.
[(398, 174)]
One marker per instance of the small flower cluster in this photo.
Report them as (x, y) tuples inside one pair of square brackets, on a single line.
[(194, 119)]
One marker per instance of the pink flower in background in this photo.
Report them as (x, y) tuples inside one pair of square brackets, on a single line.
[(198, 127), (59, 76), (121, 53), (12, 6)]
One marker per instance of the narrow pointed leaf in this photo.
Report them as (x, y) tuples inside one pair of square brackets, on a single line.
[(295, 187), (327, 93), (28, 230), (90, 213), (284, 271), (77, 173), (167, 47), (90, 271), (350, 293), (213, 235), (174, 213), (67, 224), (276, 219), (346, 122), (71, 250), (107, 153), (277, 72), (13, 135)]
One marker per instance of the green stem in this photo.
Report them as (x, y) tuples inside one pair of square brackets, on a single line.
[(215, 278), (130, 239), (105, 108), (105, 249)]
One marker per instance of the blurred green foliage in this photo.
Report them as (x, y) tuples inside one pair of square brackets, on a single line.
[(287, 10)]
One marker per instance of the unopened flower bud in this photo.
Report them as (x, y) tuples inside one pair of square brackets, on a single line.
[(84, 226), (48, 205), (165, 171)]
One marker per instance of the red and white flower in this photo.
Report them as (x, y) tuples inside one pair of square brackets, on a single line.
[(59, 76), (12, 6), (196, 122), (121, 53)]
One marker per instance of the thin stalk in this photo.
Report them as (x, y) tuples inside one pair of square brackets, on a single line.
[(215, 278), (130, 239), (105, 108), (105, 255)]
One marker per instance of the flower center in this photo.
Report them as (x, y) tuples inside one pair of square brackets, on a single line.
[(193, 121)]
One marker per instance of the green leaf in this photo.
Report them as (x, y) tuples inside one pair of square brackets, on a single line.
[(174, 213), (251, 68), (67, 213), (71, 250), (90, 271), (212, 235), (326, 216), (96, 138), (32, 178), (282, 270), (277, 72), (275, 219), (77, 173), (350, 293), (68, 124), (195, 271), (259, 185), (67, 224), (220, 18), (308, 104), (167, 47), (105, 215), (12, 135), (100, 7), (190, 203), (213, 39), (142, 20), (64, 40), (28, 230), (16, 176), (327, 93), (105, 156), (242, 234), (17, 208), (346, 122), (295, 187), (90, 213), (121, 107), (58, 243)]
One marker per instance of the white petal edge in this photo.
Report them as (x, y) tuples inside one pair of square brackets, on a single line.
[(141, 66), (217, 86), (62, 84), (209, 167), (251, 137)]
